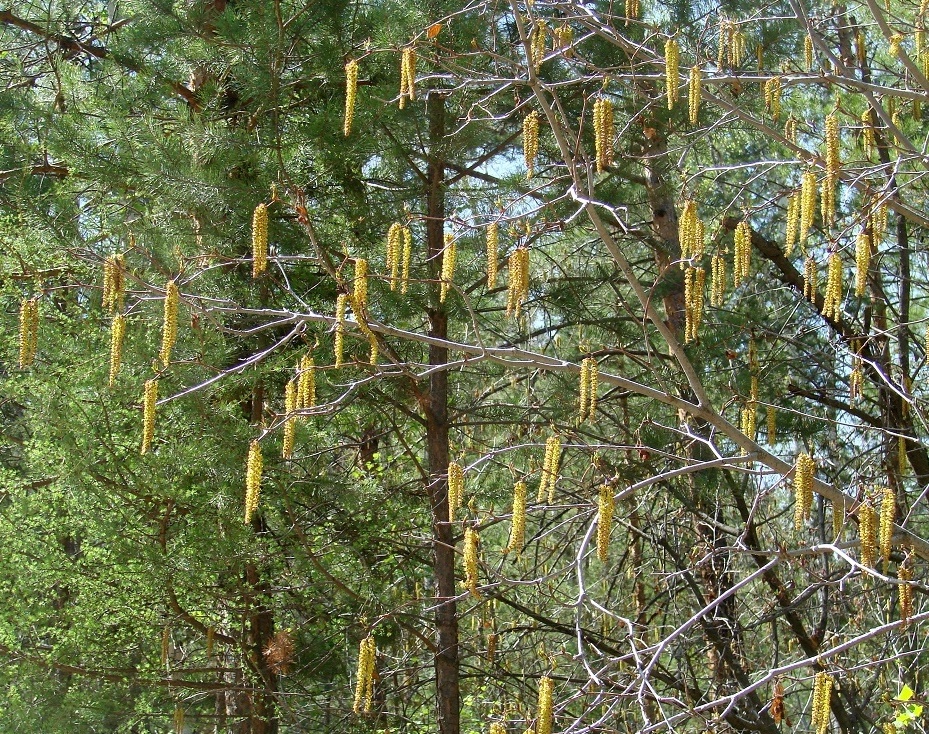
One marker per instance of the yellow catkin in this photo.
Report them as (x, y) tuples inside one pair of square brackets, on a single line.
[(905, 574), (807, 204), (868, 139), (901, 451), (28, 331), (862, 262), (537, 45), (672, 54), (364, 687), (694, 93), (719, 284), (771, 421), (497, 728), (749, 420), (822, 702), (306, 383), (885, 531), (832, 302), (291, 402), (149, 402), (810, 278), (550, 469), (530, 142), (545, 706), (360, 289), (351, 90), (407, 257), (688, 229), (518, 525), (737, 47), (772, 97), (742, 257), (518, 281), (117, 333), (694, 281), (493, 261), (589, 378), (838, 520), (340, 305), (448, 266), (253, 470), (455, 489), (866, 532), (725, 29), (633, 10), (803, 489), (893, 47), (878, 223), (407, 75), (394, 247), (606, 506), (259, 240), (564, 40), (831, 153), (471, 541), (492, 639), (793, 220), (603, 133), (808, 52), (114, 283), (790, 130), (169, 324)]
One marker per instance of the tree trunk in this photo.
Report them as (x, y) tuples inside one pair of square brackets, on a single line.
[(435, 409)]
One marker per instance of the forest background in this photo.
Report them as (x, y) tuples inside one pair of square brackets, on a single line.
[(452, 367)]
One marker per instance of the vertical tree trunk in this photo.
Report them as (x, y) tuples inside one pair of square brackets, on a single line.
[(436, 414)]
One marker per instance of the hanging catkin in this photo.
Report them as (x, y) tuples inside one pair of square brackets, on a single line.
[(253, 469), (455, 488), (291, 401), (866, 532), (537, 45), (306, 383), (394, 247), (694, 280), (448, 266), (149, 402), (832, 301), (550, 469), (810, 278), (169, 323), (831, 153), (471, 541), (114, 283), (518, 526), (803, 489), (742, 257), (407, 257), (518, 281), (807, 204), (772, 97), (339, 348), (589, 378), (672, 73), (793, 221), (603, 133), (493, 262), (885, 531), (530, 142), (694, 93), (407, 75), (364, 688), (545, 706), (351, 90), (605, 506), (259, 240), (862, 261), (822, 701), (360, 289), (718, 288), (117, 332), (28, 331)]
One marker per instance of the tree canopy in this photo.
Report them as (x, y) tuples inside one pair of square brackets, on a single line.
[(543, 366)]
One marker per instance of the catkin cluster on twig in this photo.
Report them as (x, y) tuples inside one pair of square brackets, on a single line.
[(550, 469), (518, 281), (822, 702), (866, 532), (589, 375), (690, 233), (114, 283), (407, 75), (772, 97), (832, 301), (603, 133), (831, 153)]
